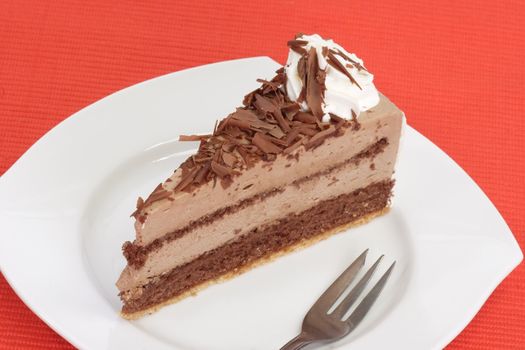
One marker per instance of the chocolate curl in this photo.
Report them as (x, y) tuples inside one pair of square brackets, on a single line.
[(315, 84)]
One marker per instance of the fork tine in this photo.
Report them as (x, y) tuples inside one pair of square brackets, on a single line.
[(329, 297), (364, 306), (350, 299)]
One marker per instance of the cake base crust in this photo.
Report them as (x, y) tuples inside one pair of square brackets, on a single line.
[(300, 231)]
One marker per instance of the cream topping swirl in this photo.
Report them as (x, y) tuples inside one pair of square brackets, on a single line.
[(348, 86)]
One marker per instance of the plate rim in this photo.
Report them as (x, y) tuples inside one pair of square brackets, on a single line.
[(512, 262)]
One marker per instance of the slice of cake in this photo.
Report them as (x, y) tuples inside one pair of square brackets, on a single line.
[(311, 152)]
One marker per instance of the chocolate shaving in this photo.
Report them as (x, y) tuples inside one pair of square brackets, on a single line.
[(292, 135), (244, 154), (140, 202), (273, 83), (199, 160), (334, 62), (158, 193), (355, 123), (240, 123), (249, 118), (221, 170), (264, 104), (314, 84), (293, 147), (268, 86), (202, 174), (305, 118), (228, 147), (229, 159), (290, 110), (248, 99), (306, 130), (275, 140), (277, 132), (193, 137), (187, 179), (318, 138), (139, 206), (358, 65), (264, 144), (280, 119), (339, 122), (297, 46), (301, 71)]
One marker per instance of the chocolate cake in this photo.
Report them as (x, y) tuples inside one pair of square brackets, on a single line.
[(310, 153)]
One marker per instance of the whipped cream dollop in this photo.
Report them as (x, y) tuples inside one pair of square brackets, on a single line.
[(337, 83)]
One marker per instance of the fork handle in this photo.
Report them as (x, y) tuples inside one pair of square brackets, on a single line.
[(298, 342)]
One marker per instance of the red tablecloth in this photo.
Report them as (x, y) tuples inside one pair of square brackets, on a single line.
[(457, 70)]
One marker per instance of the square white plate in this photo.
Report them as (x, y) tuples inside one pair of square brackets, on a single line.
[(65, 204)]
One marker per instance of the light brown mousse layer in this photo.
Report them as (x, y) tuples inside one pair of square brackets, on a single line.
[(167, 215), (258, 245)]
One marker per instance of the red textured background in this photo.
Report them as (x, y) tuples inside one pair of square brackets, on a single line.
[(457, 70)]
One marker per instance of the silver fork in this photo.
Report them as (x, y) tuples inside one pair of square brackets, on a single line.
[(320, 325)]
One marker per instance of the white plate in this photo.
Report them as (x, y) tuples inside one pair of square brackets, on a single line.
[(64, 210)]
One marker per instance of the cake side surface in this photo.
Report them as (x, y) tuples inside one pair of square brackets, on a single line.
[(298, 196), (206, 202), (318, 221)]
